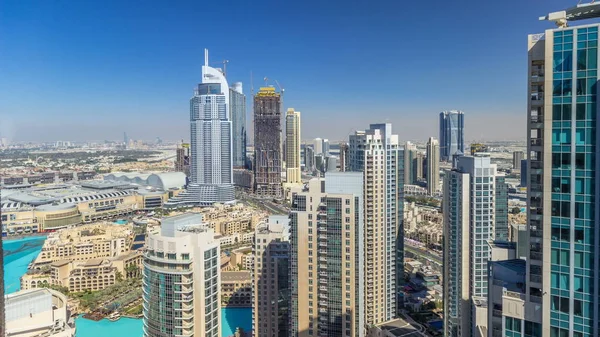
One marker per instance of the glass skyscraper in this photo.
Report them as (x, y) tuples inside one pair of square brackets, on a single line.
[(237, 107), (563, 205), (211, 162), (452, 134)]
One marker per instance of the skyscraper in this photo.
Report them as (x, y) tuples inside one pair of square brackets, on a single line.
[(211, 171), (469, 222), (270, 278), (309, 158), (433, 166), (267, 143), (237, 106), (181, 280), (327, 257), (563, 203), (517, 157), (452, 133), (376, 152), (292, 137), (410, 167)]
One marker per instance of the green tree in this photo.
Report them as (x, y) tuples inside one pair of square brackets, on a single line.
[(118, 276), (516, 210)]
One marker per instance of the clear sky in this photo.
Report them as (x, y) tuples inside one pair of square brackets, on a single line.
[(90, 70)]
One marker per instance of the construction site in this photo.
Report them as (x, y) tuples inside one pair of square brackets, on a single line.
[(267, 143)]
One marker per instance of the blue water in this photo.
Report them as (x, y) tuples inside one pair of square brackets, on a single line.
[(231, 318), (124, 327), (19, 253), (121, 222), (17, 256)]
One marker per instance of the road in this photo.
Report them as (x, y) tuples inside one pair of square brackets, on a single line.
[(424, 253), (266, 204)]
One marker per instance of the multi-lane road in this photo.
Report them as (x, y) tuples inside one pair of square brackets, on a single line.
[(423, 253)]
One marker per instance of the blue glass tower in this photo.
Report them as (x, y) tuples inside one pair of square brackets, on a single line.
[(452, 134)]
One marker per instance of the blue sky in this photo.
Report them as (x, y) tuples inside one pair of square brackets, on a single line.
[(89, 70)]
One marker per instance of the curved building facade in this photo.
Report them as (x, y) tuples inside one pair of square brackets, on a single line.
[(210, 123), (181, 280)]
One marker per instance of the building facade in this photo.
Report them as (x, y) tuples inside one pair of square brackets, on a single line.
[(433, 166), (270, 278), (267, 143), (211, 142), (327, 257), (237, 107), (469, 222), (376, 152), (292, 143), (452, 134), (517, 157), (181, 280), (410, 163), (562, 265)]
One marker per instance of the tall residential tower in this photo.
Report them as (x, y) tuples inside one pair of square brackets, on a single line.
[(469, 222), (327, 257), (270, 277), (181, 280), (292, 143), (377, 154), (433, 166)]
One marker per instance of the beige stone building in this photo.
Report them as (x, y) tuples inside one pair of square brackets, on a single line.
[(236, 288), (81, 243), (327, 258)]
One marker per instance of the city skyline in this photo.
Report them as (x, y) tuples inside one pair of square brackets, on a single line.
[(157, 37)]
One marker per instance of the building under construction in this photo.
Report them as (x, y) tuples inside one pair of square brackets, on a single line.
[(267, 143)]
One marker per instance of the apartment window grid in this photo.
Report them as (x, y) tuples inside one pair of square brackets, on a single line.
[(335, 216), (575, 66)]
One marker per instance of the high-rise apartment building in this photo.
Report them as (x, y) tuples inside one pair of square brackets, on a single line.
[(326, 147), (469, 222), (237, 108), (211, 172), (270, 277), (309, 158), (292, 143), (327, 257), (267, 143), (563, 202), (181, 280), (376, 152), (410, 165), (433, 166), (418, 167), (517, 157), (452, 134)]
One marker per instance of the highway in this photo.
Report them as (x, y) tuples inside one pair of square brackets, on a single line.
[(423, 253)]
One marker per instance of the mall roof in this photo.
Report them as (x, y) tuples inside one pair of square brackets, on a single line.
[(164, 181)]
